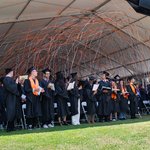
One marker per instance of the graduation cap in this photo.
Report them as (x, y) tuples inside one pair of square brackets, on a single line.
[(8, 70), (31, 69), (106, 73), (46, 70), (91, 78), (73, 74), (117, 77)]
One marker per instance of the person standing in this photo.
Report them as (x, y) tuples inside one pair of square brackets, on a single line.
[(132, 97), (74, 98), (104, 98), (47, 102), (10, 98), (61, 97), (123, 101), (90, 96), (32, 91)]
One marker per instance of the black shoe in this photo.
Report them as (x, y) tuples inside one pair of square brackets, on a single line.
[(65, 123), (60, 124)]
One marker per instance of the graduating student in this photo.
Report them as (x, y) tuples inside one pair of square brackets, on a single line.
[(2, 108), (114, 102), (61, 97), (123, 101), (32, 91), (90, 97), (10, 98), (47, 102), (104, 97), (132, 97), (74, 98)]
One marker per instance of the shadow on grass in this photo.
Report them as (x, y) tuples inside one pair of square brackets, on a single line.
[(71, 127)]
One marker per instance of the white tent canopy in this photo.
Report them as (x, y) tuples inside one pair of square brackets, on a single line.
[(88, 36)]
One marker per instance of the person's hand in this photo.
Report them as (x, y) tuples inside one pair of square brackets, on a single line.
[(23, 100), (105, 91), (95, 92), (80, 88), (42, 91), (17, 81), (37, 90)]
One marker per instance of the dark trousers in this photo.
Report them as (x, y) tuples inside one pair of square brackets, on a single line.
[(10, 126)]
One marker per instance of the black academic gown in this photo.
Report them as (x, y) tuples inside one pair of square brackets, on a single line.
[(19, 103), (61, 98), (90, 99), (115, 107), (10, 98), (73, 97), (104, 99), (33, 108), (47, 102), (2, 108), (124, 107), (133, 101)]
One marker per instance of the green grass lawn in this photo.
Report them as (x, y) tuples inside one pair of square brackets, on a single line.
[(124, 135)]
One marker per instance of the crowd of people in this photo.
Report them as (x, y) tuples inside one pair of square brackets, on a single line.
[(108, 99)]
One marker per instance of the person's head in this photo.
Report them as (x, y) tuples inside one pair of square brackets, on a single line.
[(113, 83), (9, 72), (59, 75), (74, 76), (105, 75), (131, 80), (46, 73), (91, 79), (32, 72), (121, 83)]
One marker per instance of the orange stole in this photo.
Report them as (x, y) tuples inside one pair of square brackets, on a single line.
[(114, 96), (34, 85), (125, 95), (133, 88)]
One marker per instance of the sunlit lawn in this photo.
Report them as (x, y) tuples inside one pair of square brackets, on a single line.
[(125, 135)]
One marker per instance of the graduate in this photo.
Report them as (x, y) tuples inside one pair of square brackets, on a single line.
[(74, 98), (32, 91), (61, 97), (47, 102), (2, 108), (10, 98), (90, 97), (114, 102), (104, 98), (132, 97), (123, 101)]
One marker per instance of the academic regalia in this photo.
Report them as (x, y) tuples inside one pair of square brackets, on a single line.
[(10, 99), (124, 101), (90, 99), (33, 104), (133, 100), (115, 98), (47, 102), (73, 97), (104, 100), (61, 96), (19, 103), (2, 108)]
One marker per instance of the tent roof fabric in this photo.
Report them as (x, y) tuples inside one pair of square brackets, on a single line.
[(87, 36)]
